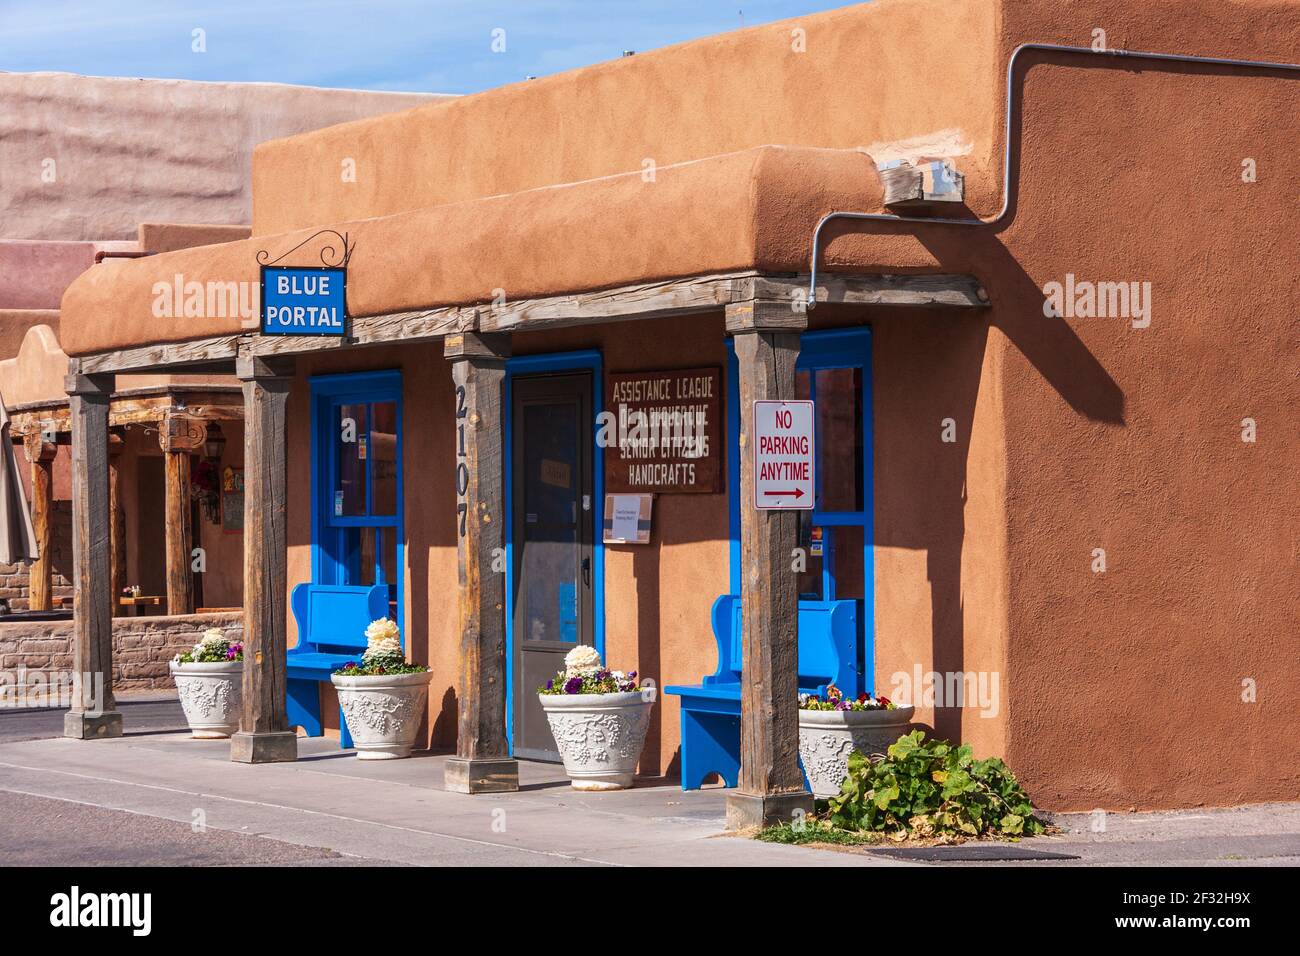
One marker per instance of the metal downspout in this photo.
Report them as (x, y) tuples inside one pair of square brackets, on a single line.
[(1006, 154)]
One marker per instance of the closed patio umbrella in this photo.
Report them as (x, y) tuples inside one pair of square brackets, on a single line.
[(17, 539)]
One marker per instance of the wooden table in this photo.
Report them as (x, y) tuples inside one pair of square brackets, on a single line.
[(144, 600)]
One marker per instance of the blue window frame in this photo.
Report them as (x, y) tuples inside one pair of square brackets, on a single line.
[(834, 370), (358, 530)]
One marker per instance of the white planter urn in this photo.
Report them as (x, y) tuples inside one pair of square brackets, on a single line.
[(600, 736), (827, 737), (383, 712), (210, 696)]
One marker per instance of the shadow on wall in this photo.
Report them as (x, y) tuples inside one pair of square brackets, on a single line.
[(645, 569), (928, 366)]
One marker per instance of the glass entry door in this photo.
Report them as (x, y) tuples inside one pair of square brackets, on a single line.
[(357, 529), (834, 370), (552, 537)]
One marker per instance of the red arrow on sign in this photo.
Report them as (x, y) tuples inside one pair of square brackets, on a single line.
[(797, 493)]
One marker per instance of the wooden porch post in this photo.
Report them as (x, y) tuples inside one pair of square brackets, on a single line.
[(177, 445), (94, 711), (771, 786), (117, 520), (264, 735), (40, 455), (482, 763)]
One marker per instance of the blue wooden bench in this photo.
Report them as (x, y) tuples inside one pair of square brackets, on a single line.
[(828, 636), (332, 620)]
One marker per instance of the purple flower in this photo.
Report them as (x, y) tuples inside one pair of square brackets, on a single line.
[(550, 684), (573, 685)]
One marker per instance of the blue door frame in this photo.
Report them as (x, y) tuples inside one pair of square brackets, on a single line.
[(556, 363), (833, 348), (327, 552)]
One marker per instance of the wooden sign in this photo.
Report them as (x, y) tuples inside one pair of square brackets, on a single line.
[(663, 432)]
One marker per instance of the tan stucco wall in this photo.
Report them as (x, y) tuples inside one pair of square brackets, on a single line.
[(170, 236), (129, 150), (868, 74), (743, 210), (34, 273), (1117, 689), (1125, 688)]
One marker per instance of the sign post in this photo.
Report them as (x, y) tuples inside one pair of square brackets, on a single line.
[(784, 478)]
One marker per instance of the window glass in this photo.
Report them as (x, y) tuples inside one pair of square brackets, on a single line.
[(351, 441), (372, 555), (383, 457), (839, 439), (812, 540), (551, 521), (849, 576)]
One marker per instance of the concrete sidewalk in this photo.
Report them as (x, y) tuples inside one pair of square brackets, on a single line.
[(390, 811), (137, 799)]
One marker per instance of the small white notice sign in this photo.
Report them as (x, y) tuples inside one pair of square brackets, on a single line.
[(627, 519), (783, 455)]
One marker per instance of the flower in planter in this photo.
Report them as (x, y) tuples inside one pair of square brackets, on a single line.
[(213, 648), (383, 653), (835, 700), (585, 673), (582, 660)]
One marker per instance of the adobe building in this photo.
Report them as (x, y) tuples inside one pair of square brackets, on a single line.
[(1050, 351), (99, 167)]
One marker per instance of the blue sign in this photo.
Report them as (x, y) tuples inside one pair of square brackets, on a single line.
[(304, 301)]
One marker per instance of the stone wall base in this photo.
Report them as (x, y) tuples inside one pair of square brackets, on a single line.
[(142, 647)]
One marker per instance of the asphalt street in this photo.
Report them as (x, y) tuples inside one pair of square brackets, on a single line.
[(156, 796), (144, 715)]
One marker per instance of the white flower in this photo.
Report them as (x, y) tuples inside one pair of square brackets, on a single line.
[(384, 627), (213, 635), (383, 638), (581, 660)]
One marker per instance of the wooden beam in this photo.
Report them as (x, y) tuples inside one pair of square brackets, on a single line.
[(117, 519), (647, 300), (40, 456), (179, 532), (771, 786), (482, 763), (264, 735), (179, 434), (926, 289), (164, 355), (94, 711)]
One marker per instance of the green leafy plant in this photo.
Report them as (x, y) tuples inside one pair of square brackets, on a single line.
[(932, 789), (378, 664), (817, 831)]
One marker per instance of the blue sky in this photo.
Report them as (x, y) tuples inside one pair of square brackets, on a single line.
[(437, 45)]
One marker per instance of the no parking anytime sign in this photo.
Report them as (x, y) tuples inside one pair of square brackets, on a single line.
[(783, 455)]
